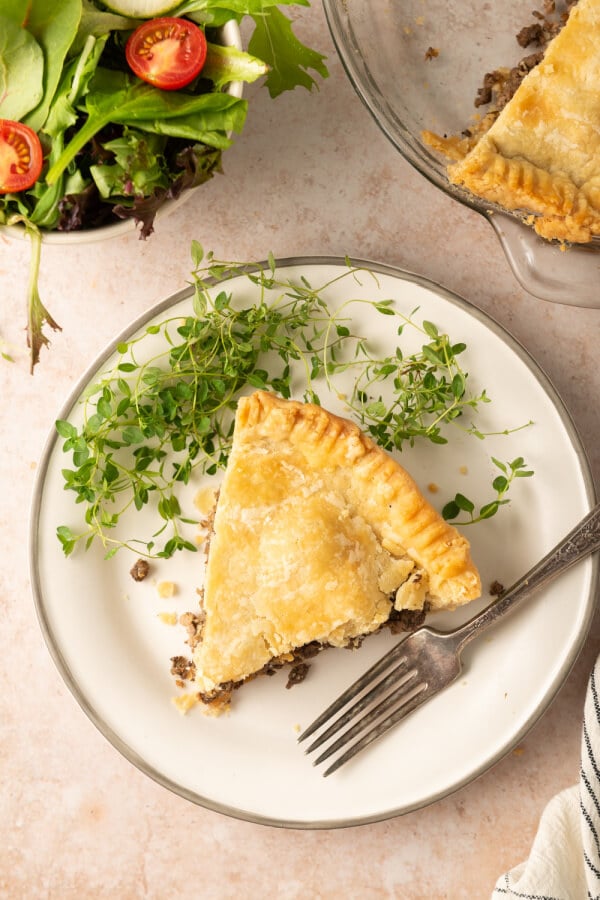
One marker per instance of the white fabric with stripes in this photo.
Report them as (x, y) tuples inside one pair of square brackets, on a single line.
[(564, 863)]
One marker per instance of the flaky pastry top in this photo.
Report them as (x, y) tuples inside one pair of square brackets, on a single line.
[(316, 529)]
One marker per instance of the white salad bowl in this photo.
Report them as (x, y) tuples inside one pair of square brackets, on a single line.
[(229, 36)]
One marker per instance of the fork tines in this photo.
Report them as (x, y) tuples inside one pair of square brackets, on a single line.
[(391, 681)]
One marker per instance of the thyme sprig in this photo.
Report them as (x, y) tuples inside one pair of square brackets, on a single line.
[(501, 483), (429, 385), (166, 407)]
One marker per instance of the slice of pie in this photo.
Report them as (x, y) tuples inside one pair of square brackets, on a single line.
[(318, 536), (541, 156)]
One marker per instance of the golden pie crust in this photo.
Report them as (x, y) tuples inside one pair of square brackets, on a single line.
[(542, 154), (318, 533)]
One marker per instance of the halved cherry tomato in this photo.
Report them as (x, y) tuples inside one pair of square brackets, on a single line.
[(168, 53), (21, 157)]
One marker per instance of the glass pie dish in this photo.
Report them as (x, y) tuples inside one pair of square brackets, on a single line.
[(417, 66)]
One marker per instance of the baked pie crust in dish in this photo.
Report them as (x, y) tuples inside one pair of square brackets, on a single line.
[(541, 156), (318, 536)]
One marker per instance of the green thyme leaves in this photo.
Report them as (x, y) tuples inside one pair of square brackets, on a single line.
[(462, 506), (429, 388), (165, 409)]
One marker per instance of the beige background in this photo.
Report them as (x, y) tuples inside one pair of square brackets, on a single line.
[(312, 174)]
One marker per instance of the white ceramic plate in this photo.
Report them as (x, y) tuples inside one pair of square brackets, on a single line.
[(113, 650)]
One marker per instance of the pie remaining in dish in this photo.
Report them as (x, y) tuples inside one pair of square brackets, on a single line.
[(319, 538), (541, 156)]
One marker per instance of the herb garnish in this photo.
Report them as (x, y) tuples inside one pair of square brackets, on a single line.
[(501, 484), (166, 408), (429, 385)]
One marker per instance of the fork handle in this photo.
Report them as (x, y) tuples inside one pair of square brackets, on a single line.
[(580, 542)]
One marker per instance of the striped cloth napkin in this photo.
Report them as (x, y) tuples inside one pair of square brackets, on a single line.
[(564, 863)]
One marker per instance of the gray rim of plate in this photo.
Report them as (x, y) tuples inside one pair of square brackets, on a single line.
[(61, 663)]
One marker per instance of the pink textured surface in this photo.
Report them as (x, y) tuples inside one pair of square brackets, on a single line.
[(312, 174)]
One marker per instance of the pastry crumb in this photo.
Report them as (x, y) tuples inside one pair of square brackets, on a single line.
[(185, 702), (432, 487), (217, 705), (168, 618), (166, 589), (463, 470), (205, 500), (431, 53)]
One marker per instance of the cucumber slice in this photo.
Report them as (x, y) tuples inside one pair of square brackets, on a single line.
[(141, 9)]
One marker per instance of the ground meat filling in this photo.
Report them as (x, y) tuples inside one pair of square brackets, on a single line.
[(140, 569), (403, 620), (297, 674), (183, 669), (194, 624), (531, 34), (500, 85), (399, 622)]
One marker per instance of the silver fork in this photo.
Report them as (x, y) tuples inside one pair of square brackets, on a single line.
[(425, 662)]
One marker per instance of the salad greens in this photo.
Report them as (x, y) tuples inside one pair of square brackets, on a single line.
[(19, 51), (165, 409), (116, 147)]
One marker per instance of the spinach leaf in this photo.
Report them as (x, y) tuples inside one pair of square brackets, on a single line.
[(21, 70), (54, 26), (61, 116), (45, 211), (17, 10), (207, 126), (117, 98), (98, 23), (73, 87)]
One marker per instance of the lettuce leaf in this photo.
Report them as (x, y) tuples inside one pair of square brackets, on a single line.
[(198, 165), (137, 166), (289, 59), (273, 39)]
